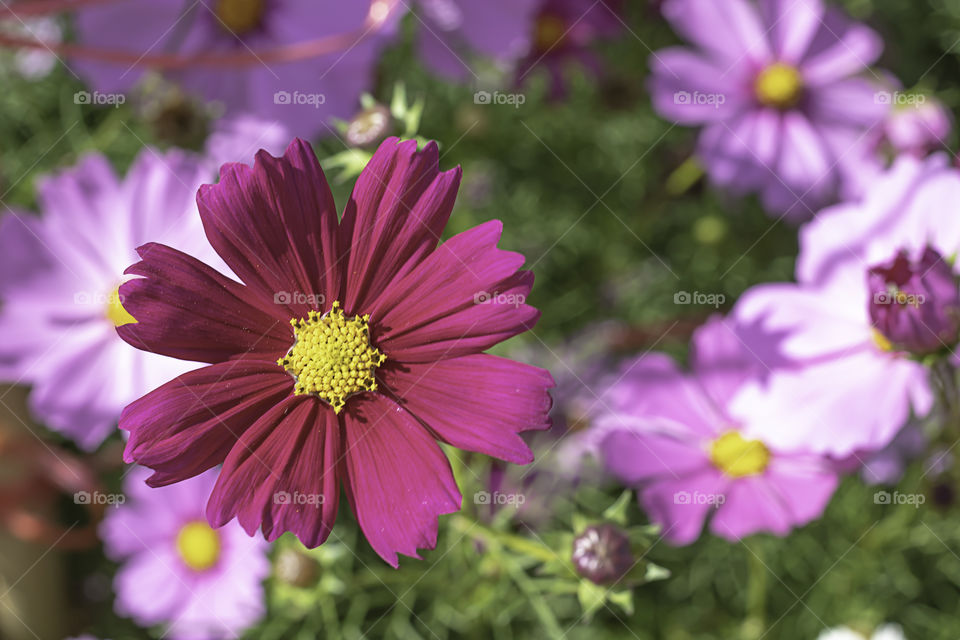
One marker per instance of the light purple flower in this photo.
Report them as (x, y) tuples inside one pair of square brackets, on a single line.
[(856, 388), (175, 569), (693, 456), (918, 127), (236, 138), (775, 86), (303, 94), (451, 33), (59, 277)]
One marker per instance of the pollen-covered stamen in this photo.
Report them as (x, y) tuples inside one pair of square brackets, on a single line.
[(115, 311), (198, 545), (737, 457), (240, 16), (779, 86), (331, 356)]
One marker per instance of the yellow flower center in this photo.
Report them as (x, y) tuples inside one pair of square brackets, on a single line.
[(550, 31), (331, 356), (738, 457), (115, 311), (198, 545), (779, 86), (240, 16), (881, 341)]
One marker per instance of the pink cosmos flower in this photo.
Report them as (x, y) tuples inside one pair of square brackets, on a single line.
[(564, 32), (351, 347), (775, 86), (694, 455), (203, 583), (859, 385), (59, 275)]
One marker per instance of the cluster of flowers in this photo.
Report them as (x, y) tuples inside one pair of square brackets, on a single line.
[(308, 351), (301, 63), (801, 382)]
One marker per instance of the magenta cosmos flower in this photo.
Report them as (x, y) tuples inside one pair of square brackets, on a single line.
[(59, 275), (564, 33), (693, 456), (452, 33), (302, 94), (775, 86), (203, 583), (875, 283), (349, 349)]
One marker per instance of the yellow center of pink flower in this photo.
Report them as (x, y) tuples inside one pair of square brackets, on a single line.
[(779, 86), (737, 456), (332, 357), (240, 16), (550, 32), (882, 342), (198, 545), (115, 311)]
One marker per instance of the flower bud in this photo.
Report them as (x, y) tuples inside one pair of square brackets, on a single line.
[(602, 554), (915, 304), (369, 127)]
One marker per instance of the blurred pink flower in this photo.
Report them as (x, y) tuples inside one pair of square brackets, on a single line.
[(774, 84)]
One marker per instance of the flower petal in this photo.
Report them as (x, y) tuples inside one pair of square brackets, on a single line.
[(186, 310), (478, 403), (275, 225), (397, 478), (282, 474), (841, 48), (394, 218), (730, 30), (464, 298), (190, 424)]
